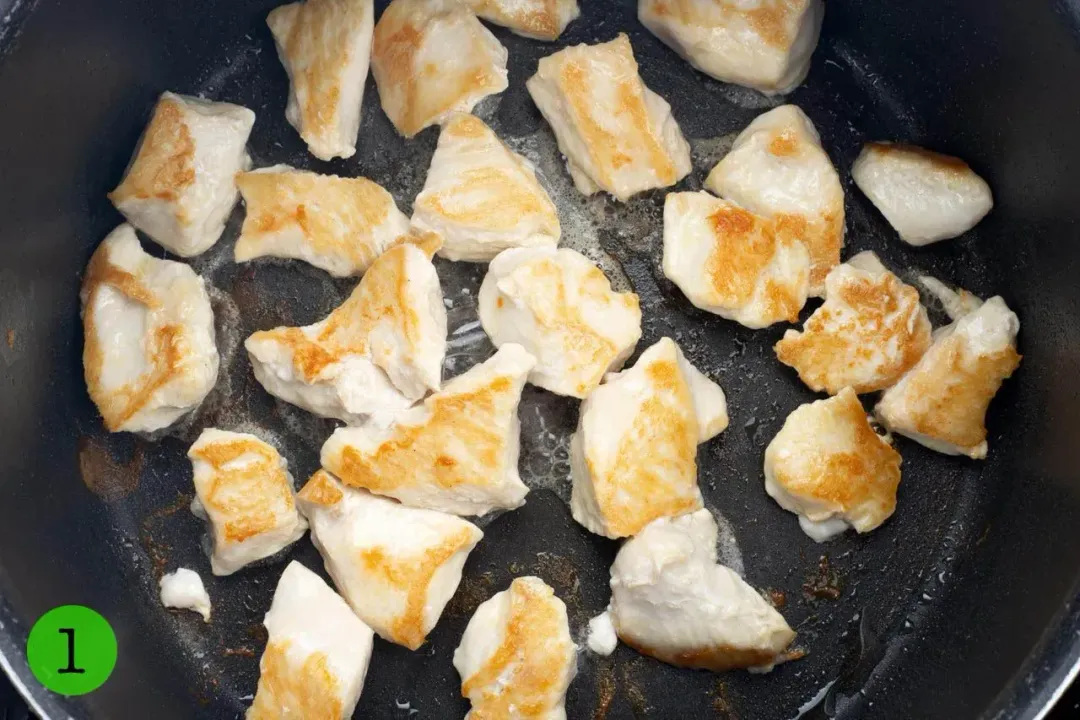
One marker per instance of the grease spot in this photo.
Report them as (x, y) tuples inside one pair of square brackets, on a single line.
[(106, 476)]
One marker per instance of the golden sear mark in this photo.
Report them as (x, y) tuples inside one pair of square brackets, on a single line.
[(318, 49), (902, 151), (310, 691), (862, 317), (543, 289), (865, 475), (784, 144), (716, 658), (633, 140), (822, 235), (458, 427), (164, 166), (539, 18), (250, 494), (335, 215), (655, 468), (771, 20), (166, 347), (524, 676), (947, 398), (412, 576), (381, 297), (321, 489)]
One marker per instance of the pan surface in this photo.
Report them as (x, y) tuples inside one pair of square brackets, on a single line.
[(932, 615)]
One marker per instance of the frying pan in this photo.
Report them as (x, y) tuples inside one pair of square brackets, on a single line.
[(962, 605)]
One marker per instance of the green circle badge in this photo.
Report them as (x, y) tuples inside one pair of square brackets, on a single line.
[(71, 650)]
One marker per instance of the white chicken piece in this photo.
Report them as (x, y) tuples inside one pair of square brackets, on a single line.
[(317, 652), (634, 456), (431, 59), (379, 351), (762, 44), (183, 589), (179, 187), (149, 353), (536, 19), (458, 452), (671, 600), (560, 307), (244, 489), (733, 263), (325, 46), (942, 401), (481, 196), (778, 168), (617, 135), (925, 196), (396, 566), (869, 332), (828, 466), (337, 224), (516, 658)]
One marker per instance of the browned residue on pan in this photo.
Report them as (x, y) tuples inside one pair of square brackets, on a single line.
[(561, 573), (605, 690), (242, 651), (776, 598), (472, 591), (158, 550), (638, 702), (721, 703), (103, 474), (11, 338), (823, 583)]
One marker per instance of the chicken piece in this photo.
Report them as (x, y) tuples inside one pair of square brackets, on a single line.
[(634, 455), (617, 135), (942, 401), (149, 352), (777, 168), (396, 566), (244, 489), (183, 589), (325, 46), (762, 44), (560, 307), (379, 351), (516, 658), (337, 224), (537, 19), (317, 652), (458, 452), (431, 59), (829, 467), (926, 197), (733, 263), (671, 600), (482, 197), (179, 186), (869, 332)]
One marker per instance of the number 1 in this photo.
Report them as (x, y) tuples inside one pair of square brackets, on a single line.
[(70, 632)]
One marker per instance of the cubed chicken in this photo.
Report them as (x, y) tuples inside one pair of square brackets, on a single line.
[(925, 196), (536, 19), (481, 196), (829, 467), (634, 455), (337, 224), (244, 489), (670, 599), (378, 352), (183, 589), (325, 46), (396, 566), (763, 44), (942, 401), (730, 262), (560, 307), (431, 59), (869, 332), (516, 658), (149, 351), (317, 652), (618, 136), (179, 187), (778, 168), (458, 452)]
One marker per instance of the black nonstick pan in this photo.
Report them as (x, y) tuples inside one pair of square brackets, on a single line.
[(962, 605)]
